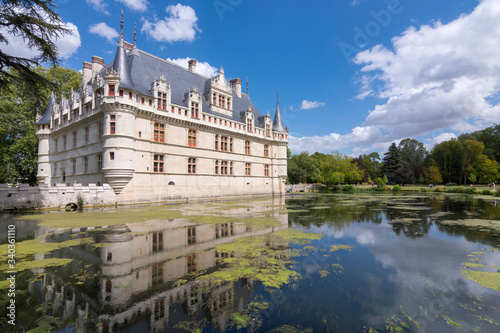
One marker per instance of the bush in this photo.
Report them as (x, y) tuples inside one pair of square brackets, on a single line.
[(486, 192), (470, 190), (451, 184), (348, 188), (336, 188), (79, 201), (497, 193), (439, 189), (396, 188), (323, 189), (456, 190)]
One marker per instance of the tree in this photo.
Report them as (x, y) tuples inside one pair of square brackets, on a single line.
[(412, 154), (472, 150), (448, 157), (391, 162), (39, 25), (487, 169), (19, 153)]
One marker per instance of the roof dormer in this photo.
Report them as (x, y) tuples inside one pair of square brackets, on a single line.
[(220, 94)]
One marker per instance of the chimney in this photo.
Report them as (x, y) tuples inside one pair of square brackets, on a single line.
[(236, 85), (97, 64), (192, 65), (87, 72)]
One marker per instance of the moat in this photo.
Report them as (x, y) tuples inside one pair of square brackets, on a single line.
[(298, 263)]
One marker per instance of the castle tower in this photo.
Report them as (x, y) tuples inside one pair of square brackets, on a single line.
[(43, 135)]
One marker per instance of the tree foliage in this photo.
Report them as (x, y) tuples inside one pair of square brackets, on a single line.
[(18, 142), (37, 23)]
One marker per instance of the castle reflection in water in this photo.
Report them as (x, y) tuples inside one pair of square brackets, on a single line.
[(128, 283)]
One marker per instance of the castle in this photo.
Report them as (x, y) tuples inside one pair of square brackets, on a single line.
[(156, 131)]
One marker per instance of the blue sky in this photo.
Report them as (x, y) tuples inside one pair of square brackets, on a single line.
[(352, 75)]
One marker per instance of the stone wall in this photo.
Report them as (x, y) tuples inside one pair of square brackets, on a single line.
[(44, 196)]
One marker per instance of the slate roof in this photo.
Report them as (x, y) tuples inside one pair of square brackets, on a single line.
[(45, 119)]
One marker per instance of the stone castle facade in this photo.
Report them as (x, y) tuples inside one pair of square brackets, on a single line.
[(155, 131)]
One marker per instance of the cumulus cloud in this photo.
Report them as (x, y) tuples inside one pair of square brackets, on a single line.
[(66, 44), (203, 68), (306, 105), (434, 78), (99, 5), (179, 25), (137, 5), (103, 30)]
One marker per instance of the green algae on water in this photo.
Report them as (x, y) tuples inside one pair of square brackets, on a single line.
[(486, 279)]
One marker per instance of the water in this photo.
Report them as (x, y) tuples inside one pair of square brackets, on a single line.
[(366, 263)]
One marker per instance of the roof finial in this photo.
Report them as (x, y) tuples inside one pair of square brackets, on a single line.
[(135, 34), (121, 26), (278, 96), (247, 85)]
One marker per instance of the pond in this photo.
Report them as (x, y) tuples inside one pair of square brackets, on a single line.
[(299, 263)]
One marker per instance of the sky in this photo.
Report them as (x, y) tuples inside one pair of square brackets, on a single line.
[(353, 75)]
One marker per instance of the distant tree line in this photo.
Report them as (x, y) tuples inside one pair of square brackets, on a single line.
[(471, 158)]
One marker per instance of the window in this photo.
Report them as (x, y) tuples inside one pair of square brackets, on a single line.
[(159, 132), (249, 125), (216, 167), (85, 164), (111, 91), (112, 124), (220, 100), (64, 142), (192, 165), (231, 168), (87, 131), (56, 141), (229, 103), (157, 241), (216, 142), (214, 99), (130, 94), (231, 145), (150, 102), (191, 138), (74, 139), (111, 155), (142, 100), (266, 150), (159, 308), (100, 130), (99, 162), (247, 147), (74, 166), (266, 170), (223, 143), (223, 168), (247, 169), (158, 163), (162, 101), (194, 110), (191, 235), (268, 130), (157, 274), (191, 263), (121, 93)]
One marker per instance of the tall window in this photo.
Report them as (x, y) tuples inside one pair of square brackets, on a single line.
[(100, 130), (157, 241), (247, 169), (216, 142), (191, 138), (99, 162), (191, 165), (112, 124), (87, 130), (130, 94), (266, 150), (249, 125), (223, 167), (74, 139), (157, 274), (229, 103), (191, 263), (159, 132), (231, 144), (64, 142), (194, 110), (214, 99), (121, 93), (247, 147), (162, 101), (266, 170), (74, 166), (111, 91), (112, 155), (191, 235), (268, 130), (223, 143), (85, 164), (231, 168), (216, 167), (158, 163), (220, 100), (56, 142), (159, 308)]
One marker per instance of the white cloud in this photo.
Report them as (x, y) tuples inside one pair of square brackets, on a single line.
[(437, 76), (103, 30), (179, 25), (440, 77), (203, 68), (99, 5), (306, 105), (137, 5), (326, 143), (66, 44)]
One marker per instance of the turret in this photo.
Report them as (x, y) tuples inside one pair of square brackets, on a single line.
[(43, 133), (278, 123)]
